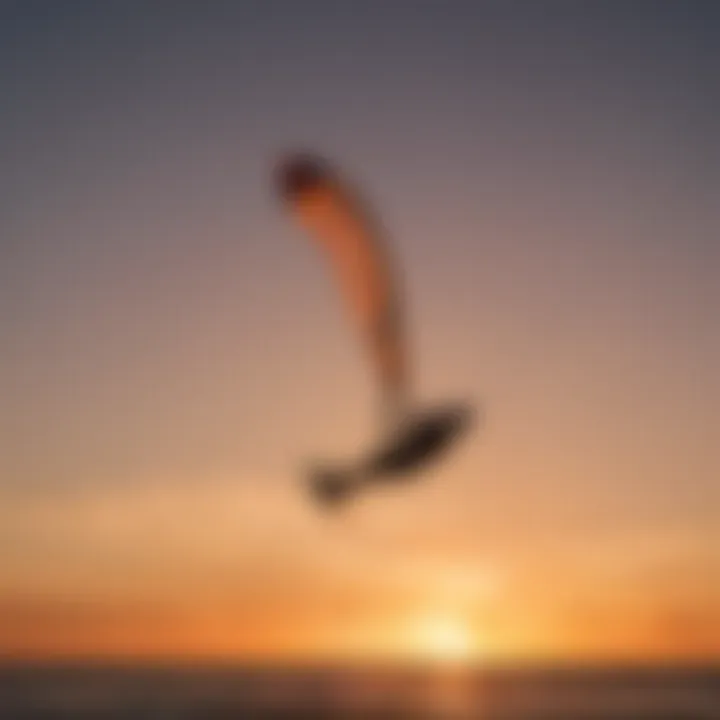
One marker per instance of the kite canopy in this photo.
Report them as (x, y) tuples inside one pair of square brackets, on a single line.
[(333, 214)]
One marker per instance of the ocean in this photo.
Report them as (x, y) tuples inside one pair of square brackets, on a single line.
[(34, 692)]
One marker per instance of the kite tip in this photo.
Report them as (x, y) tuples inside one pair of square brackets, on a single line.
[(298, 172)]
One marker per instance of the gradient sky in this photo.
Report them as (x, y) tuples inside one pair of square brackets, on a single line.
[(173, 350)]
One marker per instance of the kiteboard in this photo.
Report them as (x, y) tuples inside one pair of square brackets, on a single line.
[(417, 444)]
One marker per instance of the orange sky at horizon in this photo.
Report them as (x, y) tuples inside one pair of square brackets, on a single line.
[(147, 575)]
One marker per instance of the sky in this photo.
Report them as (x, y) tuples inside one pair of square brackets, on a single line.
[(173, 351)]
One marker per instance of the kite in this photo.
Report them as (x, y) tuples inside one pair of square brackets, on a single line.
[(333, 213)]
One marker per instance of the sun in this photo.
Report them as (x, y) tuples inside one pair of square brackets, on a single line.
[(443, 639)]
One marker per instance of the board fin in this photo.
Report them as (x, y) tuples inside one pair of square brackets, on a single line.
[(332, 486)]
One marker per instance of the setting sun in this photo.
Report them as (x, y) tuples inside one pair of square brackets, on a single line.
[(444, 639)]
